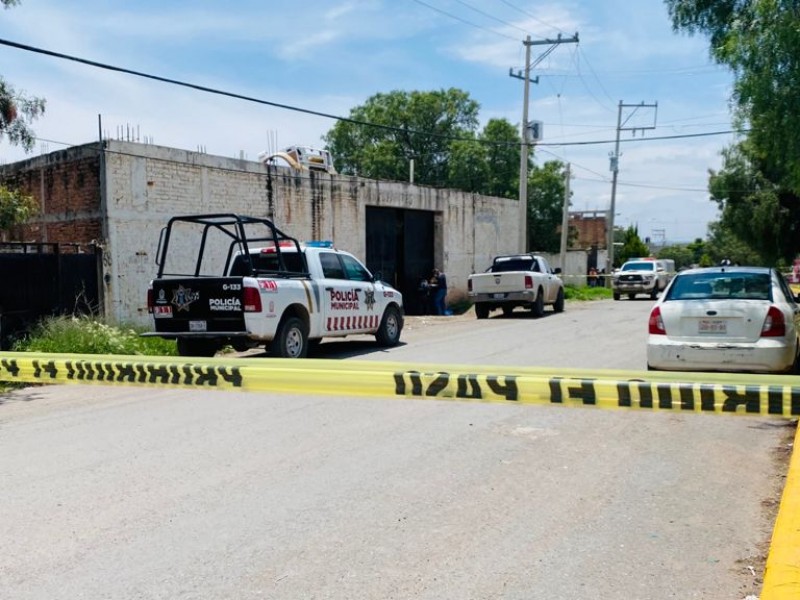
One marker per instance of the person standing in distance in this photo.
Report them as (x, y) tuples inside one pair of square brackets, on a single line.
[(439, 285)]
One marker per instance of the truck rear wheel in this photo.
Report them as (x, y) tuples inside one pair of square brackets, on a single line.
[(481, 310), (558, 305), (388, 333), (291, 340), (197, 347), (537, 308)]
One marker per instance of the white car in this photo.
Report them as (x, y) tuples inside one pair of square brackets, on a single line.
[(726, 319)]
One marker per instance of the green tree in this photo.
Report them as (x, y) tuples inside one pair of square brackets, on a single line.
[(698, 249), (467, 166), (408, 125), (763, 216), (632, 246), (545, 206), (681, 254), (724, 243), (15, 208), (17, 111), (439, 132), (502, 148), (760, 41)]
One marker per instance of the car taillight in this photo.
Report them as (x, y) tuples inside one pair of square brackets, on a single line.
[(252, 300), (774, 324), (469, 285), (656, 324), (528, 282), (150, 300)]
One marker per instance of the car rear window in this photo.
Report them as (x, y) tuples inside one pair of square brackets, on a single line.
[(267, 262), (707, 286), (514, 264)]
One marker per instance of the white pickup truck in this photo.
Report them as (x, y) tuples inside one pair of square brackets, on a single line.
[(524, 280), (642, 276), (226, 279)]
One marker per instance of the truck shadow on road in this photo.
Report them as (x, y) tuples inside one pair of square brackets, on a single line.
[(334, 349), (524, 315)]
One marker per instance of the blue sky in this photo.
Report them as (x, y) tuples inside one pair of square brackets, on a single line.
[(331, 56)]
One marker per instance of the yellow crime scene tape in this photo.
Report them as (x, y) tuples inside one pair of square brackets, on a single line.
[(720, 393)]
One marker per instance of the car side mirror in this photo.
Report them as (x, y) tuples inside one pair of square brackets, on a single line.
[(557, 270)]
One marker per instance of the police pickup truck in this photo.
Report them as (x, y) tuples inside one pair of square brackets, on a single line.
[(524, 280), (232, 280)]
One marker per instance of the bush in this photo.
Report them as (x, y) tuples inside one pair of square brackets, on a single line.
[(89, 335), (572, 292)]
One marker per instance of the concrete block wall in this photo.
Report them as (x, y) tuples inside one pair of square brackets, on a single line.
[(137, 188)]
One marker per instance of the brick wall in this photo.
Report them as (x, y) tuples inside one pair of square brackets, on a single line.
[(66, 185), (591, 230)]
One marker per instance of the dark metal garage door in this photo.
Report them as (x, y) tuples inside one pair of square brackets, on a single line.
[(400, 248)]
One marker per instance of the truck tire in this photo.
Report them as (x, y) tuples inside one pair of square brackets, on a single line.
[(537, 309), (197, 347), (388, 333), (481, 310), (291, 340), (654, 293), (558, 305), (616, 295)]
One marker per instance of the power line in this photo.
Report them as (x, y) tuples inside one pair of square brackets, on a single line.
[(526, 13), (490, 16), (457, 18), (594, 74), (650, 139)]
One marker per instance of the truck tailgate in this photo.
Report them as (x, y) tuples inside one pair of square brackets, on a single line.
[(199, 305), (490, 283)]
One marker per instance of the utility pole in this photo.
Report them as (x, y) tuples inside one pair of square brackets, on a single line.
[(523, 161), (565, 222), (614, 160)]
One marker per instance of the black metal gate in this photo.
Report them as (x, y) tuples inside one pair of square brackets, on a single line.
[(400, 248), (39, 280)]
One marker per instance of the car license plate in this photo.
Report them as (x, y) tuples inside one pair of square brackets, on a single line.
[(499, 296), (197, 325), (712, 326)]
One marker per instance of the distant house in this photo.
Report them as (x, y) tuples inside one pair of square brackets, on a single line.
[(592, 228)]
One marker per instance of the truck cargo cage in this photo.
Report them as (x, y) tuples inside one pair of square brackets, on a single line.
[(210, 245)]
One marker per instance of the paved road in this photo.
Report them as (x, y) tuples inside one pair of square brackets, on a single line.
[(118, 493)]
